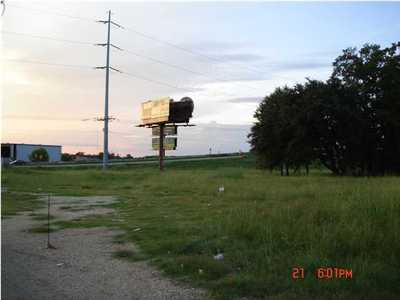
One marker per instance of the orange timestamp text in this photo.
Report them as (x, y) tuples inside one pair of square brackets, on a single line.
[(324, 273)]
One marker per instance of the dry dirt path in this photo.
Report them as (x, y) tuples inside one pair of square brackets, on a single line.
[(82, 266)]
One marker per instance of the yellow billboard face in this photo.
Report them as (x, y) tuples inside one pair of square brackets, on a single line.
[(156, 111)]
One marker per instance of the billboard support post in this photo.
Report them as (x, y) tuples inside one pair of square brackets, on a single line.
[(162, 150)]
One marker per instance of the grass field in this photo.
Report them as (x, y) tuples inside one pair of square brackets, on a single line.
[(264, 224)]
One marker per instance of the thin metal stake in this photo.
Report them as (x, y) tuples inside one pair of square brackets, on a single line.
[(49, 245)]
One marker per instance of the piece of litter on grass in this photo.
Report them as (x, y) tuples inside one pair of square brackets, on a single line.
[(60, 264), (200, 271), (219, 256), (137, 229), (221, 189)]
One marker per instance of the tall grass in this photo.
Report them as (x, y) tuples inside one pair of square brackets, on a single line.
[(264, 225)]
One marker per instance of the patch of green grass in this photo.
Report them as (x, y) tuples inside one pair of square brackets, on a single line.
[(80, 208), (43, 228), (66, 207), (90, 221), (263, 223), (13, 203), (41, 217)]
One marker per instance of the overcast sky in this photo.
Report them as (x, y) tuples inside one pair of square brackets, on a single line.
[(245, 50)]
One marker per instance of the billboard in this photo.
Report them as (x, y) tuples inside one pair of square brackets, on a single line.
[(170, 143), (168, 130), (155, 111)]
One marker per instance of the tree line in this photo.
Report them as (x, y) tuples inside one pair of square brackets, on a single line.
[(350, 122)]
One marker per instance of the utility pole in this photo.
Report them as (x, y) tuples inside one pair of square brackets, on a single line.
[(105, 146), (107, 68)]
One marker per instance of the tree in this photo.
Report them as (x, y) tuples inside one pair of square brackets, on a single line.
[(110, 155), (374, 76), (67, 157), (39, 155), (282, 136), (351, 122)]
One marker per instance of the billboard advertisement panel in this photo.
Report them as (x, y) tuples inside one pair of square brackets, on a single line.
[(155, 111), (168, 130), (170, 143)]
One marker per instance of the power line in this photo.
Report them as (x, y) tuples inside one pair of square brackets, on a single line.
[(127, 51), (235, 65), (190, 51), (90, 67), (51, 12), (182, 68), (45, 37), (132, 52), (163, 62), (47, 63), (145, 35), (157, 82)]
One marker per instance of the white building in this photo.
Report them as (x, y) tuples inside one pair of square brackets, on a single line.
[(11, 152)]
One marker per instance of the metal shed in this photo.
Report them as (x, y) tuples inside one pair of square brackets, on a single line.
[(11, 152)]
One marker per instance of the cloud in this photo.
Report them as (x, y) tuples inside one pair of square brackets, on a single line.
[(37, 117), (324, 53), (227, 51), (303, 65), (246, 100), (238, 57), (299, 65), (212, 46)]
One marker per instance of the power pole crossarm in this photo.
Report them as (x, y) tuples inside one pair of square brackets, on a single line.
[(107, 67), (112, 45)]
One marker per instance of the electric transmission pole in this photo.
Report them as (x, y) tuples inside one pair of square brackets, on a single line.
[(107, 68)]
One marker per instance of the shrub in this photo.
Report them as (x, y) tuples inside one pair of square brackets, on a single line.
[(39, 155)]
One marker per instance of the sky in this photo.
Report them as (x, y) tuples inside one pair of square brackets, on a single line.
[(226, 56)]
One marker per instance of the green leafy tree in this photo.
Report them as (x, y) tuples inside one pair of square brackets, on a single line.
[(67, 157), (110, 155), (374, 76), (350, 123), (39, 155)]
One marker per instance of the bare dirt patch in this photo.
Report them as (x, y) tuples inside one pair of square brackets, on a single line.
[(68, 208), (84, 265)]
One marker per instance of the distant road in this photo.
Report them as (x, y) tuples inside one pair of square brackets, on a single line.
[(145, 162)]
